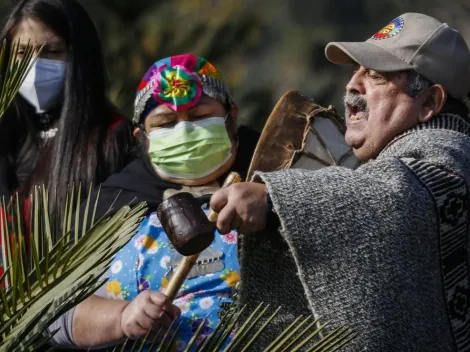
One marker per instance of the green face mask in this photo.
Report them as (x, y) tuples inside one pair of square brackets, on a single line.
[(190, 150)]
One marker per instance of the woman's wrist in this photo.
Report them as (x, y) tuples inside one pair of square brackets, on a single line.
[(119, 329)]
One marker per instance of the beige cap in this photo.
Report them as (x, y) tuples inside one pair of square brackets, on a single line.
[(412, 41)]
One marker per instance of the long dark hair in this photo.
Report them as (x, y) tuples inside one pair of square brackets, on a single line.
[(83, 150)]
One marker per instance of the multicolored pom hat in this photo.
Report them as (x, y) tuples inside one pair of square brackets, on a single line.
[(179, 82)]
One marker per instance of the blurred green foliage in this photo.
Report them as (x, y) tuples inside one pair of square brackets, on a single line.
[(263, 47)]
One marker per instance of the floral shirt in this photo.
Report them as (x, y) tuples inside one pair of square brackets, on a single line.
[(146, 263)]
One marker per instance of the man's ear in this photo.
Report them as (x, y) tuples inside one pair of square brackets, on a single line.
[(434, 102)]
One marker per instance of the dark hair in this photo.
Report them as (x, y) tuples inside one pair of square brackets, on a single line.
[(83, 150), (418, 84)]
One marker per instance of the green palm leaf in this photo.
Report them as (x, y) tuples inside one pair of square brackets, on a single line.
[(14, 71), (47, 272), (57, 271), (303, 334)]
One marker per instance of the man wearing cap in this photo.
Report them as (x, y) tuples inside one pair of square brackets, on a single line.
[(383, 249)]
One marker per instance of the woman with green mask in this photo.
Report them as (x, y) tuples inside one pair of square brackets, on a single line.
[(185, 120)]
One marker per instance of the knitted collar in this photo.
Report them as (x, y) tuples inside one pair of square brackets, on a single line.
[(450, 122)]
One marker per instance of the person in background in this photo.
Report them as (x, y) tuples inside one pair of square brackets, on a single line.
[(61, 129), (185, 120)]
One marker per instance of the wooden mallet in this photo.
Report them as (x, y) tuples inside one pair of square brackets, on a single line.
[(189, 230)]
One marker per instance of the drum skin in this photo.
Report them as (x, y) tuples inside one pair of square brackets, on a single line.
[(301, 134)]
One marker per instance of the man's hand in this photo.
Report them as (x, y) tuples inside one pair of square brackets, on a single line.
[(242, 206), (149, 310)]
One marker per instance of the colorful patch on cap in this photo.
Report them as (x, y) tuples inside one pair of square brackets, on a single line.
[(390, 30)]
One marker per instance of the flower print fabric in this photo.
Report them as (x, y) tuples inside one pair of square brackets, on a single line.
[(145, 262)]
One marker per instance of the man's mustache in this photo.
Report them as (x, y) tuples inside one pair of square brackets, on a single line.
[(354, 103)]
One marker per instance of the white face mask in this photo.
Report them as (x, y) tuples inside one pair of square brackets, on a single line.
[(44, 83)]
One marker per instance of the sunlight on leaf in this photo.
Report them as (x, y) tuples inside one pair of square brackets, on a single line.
[(14, 71), (303, 334), (51, 272)]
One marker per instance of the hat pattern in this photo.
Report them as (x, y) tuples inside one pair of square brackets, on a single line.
[(179, 82)]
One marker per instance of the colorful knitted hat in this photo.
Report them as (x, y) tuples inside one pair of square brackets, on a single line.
[(179, 83)]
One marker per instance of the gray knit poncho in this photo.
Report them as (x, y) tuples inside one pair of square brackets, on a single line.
[(383, 249)]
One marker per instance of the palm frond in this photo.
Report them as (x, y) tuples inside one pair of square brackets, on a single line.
[(55, 271), (14, 70), (303, 334), (46, 271)]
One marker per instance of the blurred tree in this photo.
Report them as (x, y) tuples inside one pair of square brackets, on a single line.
[(264, 47)]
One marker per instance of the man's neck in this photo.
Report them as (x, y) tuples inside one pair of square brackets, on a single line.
[(444, 121)]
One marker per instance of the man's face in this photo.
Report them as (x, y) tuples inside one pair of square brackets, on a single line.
[(378, 108)]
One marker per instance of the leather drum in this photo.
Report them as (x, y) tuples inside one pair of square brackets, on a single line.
[(302, 134)]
